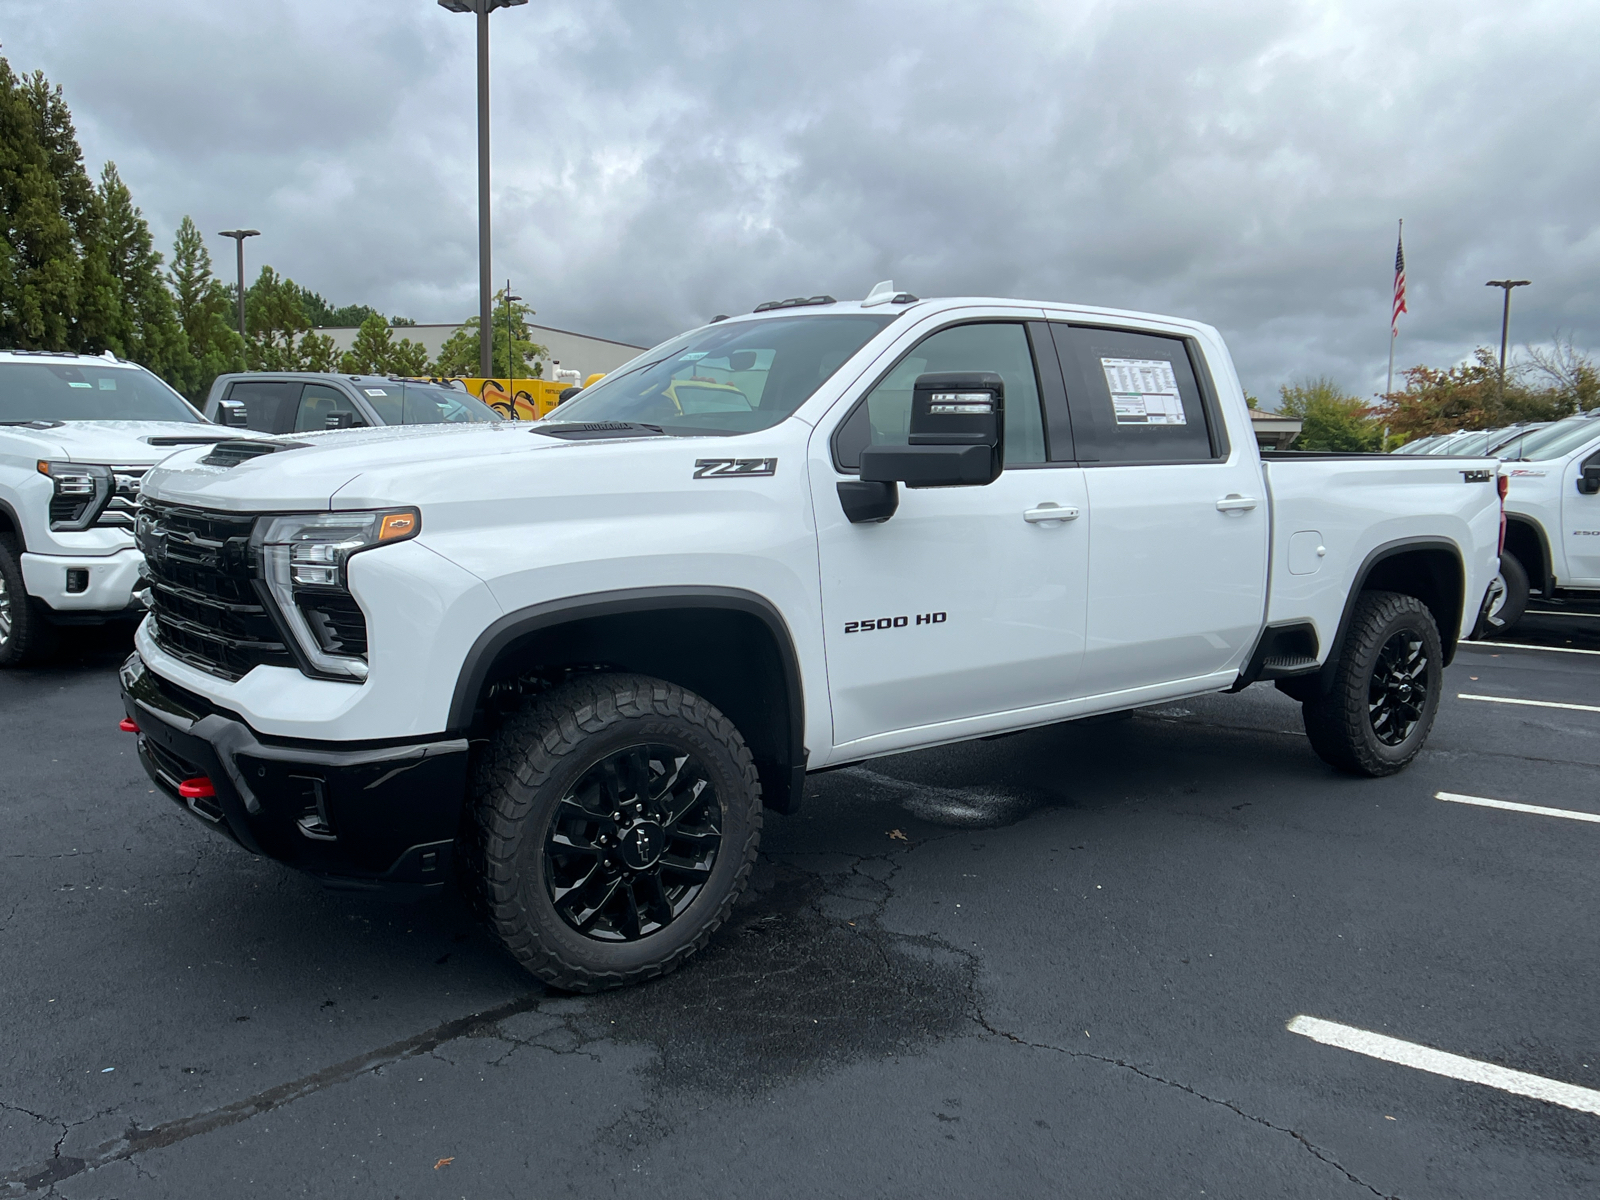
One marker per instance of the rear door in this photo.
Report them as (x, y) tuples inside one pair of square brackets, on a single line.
[(965, 603), (1580, 519), (1178, 558)]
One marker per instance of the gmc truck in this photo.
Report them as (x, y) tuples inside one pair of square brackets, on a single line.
[(76, 433), (571, 662)]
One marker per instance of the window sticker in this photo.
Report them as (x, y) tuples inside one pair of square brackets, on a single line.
[(77, 383), (375, 391), (107, 385), (1144, 391)]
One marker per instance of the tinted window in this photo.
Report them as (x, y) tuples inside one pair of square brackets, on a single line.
[(318, 402), (883, 416), (1133, 396), (87, 391), (1561, 438), (734, 377), (269, 405), (398, 402)]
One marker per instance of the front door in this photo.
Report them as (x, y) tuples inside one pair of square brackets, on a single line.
[(969, 600), (1178, 564), (1580, 518)]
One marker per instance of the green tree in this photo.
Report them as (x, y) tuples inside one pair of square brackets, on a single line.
[(145, 325), (48, 213), (512, 350), (375, 352), (205, 310), (1330, 419), (280, 332)]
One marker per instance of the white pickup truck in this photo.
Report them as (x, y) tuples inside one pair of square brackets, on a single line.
[(572, 661), (76, 433)]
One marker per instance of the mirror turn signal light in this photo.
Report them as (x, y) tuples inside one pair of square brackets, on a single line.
[(127, 725), (198, 788)]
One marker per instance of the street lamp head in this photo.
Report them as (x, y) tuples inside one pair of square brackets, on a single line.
[(241, 234), (473, 6), (1508, 284)]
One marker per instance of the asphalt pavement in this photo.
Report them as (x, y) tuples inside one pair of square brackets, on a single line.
[(1063, 962)]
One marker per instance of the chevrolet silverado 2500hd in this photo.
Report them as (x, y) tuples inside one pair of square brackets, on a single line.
[(76, 433), (572, 661)]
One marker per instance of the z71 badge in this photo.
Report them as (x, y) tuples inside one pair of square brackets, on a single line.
[(707, 468)]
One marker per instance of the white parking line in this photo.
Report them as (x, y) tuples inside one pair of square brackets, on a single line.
[(1451, 1066), (1521, 646), (1510, 806), (1529, 703)]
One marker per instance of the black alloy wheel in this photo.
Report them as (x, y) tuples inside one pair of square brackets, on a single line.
[(25, 635), (615, 820), (1397, 697), (633, 843), (1370, 711)]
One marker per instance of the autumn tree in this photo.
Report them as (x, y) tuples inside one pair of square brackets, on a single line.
[(1471, 395)]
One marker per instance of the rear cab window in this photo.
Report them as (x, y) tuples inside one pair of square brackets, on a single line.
[(1135, 397)]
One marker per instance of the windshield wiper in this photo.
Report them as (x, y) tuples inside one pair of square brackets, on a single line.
[(581, 431)]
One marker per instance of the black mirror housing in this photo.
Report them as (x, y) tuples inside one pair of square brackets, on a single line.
[(232, 413), (342, 420), (956, 436), (867, 502), (1589, 481)]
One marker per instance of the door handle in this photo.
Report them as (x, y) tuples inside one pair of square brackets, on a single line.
[(1050, 514), (1233, 502)]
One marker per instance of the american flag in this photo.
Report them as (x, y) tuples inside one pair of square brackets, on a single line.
[(1398, 305)]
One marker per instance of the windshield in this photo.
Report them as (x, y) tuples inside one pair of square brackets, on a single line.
[(1560, 439), (87, 391), (727, 379), (401, 402)]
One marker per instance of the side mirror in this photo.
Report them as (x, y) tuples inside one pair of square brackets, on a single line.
[(1589, 481), (232, 412), (956, 436), (343, 420)]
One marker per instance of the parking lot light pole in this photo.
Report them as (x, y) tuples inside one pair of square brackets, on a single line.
[(511, 348), (1505, 322), (239, 235), (485, 293)]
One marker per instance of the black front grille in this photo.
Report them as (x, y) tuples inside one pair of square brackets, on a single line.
[(208, 611)]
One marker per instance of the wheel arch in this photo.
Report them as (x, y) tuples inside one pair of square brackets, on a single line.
[(1430, 569), (729, 645), (11, 526), (1526, 539)]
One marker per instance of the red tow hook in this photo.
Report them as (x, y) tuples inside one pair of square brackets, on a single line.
[(198, 788), (127, 725)]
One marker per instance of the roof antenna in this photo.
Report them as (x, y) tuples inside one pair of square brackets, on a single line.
[(881, 293)]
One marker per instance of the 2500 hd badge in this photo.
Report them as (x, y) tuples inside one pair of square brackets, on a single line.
[(935, 618)]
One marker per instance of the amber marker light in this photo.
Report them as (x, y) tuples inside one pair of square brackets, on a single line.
[(397, 525)]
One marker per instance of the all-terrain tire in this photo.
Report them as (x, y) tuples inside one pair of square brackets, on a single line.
[(25, 635), (526, 786), (1505, 612), (1389, 633)]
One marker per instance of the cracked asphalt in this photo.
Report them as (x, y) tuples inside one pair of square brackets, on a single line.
[(1059, 962)]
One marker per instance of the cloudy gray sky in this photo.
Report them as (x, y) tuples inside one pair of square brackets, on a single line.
[(1240, 161)]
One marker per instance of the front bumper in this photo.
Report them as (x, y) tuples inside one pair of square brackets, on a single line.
[(111, 580), (371, 819)]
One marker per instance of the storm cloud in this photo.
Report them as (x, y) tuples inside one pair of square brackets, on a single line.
[(655, 164)]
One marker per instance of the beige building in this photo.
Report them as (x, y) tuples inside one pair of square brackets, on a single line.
[(1274, 431), (568, 351)]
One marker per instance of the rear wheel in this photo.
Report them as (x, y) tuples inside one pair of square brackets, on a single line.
[(1386, 688), (25, 635), (616, 821), (1508, 597)]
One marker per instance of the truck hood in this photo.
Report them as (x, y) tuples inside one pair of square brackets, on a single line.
[(115, 443), (307, 470)]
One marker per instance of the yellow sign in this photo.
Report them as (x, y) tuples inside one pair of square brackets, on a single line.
[(534, 398)]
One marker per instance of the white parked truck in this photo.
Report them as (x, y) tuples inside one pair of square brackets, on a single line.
[(572, 661), (1552, 519), (76, 433)]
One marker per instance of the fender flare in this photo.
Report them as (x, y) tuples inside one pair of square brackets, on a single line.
[(16, 524), (500, 635), (1548, 580)]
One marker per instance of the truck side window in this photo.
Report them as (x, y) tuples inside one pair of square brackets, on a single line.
[(318, 402), (268, 404), (1133, 397), (883, 416)]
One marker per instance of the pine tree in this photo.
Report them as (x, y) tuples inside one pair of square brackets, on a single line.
[(40, 268), (375, 352), (205, 310), (146, 327), (512, 352)]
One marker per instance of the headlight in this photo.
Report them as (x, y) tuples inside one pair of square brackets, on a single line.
[(305, 563), (82, 490)]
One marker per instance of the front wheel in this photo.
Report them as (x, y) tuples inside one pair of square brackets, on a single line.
[(25, 635), (616, 821), (1386, 688)]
